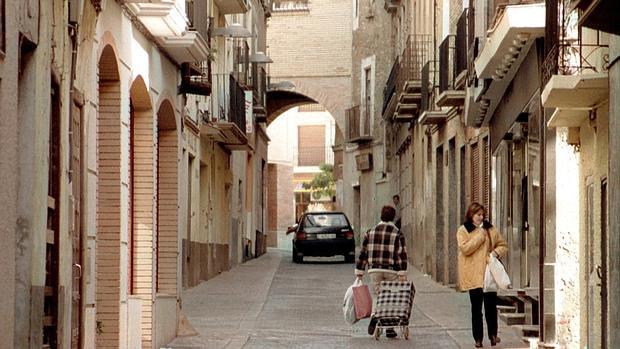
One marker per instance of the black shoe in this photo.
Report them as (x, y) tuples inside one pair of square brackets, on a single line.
[(495, 340), (478, 344), (390, 333), (372, 325)]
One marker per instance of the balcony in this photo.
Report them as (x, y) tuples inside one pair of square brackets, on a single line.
[(241, 63), (196, 78), (227, 122), (408, 79), (603, 15), (358, 125), (574, 71), (228, 7), (515, 29), (450, 93), (389, 91), (259, 93), (428, 114)]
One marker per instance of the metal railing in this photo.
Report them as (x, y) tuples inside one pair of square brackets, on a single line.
[(417, 51), (357, 122), (429, 82), (463, 38), (568, 50), (259, 85), (241, 62), (447, 63), (390, 85), (228, 101)]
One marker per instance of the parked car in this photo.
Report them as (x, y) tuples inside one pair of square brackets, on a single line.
[(323, 234)]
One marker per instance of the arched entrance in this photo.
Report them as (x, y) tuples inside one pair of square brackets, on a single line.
[(141, 191), (109, 185), (167, 200)]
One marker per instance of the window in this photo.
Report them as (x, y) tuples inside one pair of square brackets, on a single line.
[(311, 145), (290, 6)]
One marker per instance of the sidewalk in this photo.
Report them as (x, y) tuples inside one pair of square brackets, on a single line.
[(270, 302)]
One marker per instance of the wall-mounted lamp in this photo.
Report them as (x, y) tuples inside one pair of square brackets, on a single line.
[(260, 57)]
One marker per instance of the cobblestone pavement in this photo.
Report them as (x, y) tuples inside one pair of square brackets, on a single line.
[(273, 303)]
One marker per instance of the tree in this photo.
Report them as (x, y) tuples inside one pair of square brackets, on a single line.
[(323, 183)]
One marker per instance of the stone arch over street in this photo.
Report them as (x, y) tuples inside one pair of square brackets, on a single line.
[(333, 93)]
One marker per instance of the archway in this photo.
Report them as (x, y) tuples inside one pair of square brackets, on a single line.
[(141, 192), (167, 199), (109, 185)]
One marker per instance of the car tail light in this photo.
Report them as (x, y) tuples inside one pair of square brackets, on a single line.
[(348, 234), (301, 235)]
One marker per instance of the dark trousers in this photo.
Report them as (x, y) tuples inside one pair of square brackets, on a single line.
[(477, 297)]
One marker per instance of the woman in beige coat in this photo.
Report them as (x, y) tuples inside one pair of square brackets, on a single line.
[(477, 239)]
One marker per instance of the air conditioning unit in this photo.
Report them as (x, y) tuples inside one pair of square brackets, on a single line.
[(364, 162)]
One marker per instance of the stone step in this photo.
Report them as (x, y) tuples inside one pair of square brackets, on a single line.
[(513, 318), (526, 330), (506, 309)]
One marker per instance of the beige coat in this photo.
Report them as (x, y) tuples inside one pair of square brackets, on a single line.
[(474, 253)]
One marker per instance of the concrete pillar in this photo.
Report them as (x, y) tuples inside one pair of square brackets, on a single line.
[(614, 193)]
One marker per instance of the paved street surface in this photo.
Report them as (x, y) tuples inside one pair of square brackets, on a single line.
[(272, 303)]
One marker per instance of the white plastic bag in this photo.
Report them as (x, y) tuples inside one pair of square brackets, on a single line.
[(495, 275), (489, 282), (348, 307)]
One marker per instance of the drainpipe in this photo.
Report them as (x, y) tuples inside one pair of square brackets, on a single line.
[(542, 248)]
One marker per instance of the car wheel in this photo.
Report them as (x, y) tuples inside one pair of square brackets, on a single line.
[(297, 258), (349, 258)]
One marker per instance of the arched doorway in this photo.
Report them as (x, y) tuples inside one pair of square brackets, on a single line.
[(108, 256), (141, 191), (167, 200)]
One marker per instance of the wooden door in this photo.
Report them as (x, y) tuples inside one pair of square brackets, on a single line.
[(76, 179)]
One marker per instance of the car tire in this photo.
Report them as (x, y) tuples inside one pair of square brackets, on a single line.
[(297, 258), (349, 258)]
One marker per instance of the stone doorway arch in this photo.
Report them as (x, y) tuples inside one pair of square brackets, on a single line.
[(141, 191), (108, 242), (167, 199)]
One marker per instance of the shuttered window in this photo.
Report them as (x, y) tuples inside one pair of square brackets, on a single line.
[(486, 170), (475, 173), (311, 145)]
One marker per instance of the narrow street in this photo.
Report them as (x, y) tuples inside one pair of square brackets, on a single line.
[(270, 302)]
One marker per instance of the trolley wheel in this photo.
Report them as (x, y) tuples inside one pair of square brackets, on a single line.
[(406, 332)]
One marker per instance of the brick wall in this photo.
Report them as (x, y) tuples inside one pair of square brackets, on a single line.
[(321, 38), (280, 201)]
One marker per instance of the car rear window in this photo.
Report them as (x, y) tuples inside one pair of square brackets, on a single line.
[(326, 220)]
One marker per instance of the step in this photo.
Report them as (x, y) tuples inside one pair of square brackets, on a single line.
[(506, 309), (526, 330), (528, 340), (513, 318)]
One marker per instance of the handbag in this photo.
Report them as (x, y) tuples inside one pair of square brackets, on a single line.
[(348, 307), (362, 301), (495, 275)]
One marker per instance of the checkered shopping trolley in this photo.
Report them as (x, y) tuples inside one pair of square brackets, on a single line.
[(394, 303)]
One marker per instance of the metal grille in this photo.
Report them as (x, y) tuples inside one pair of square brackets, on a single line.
[(475, 173), (416, 53), (486, 184)]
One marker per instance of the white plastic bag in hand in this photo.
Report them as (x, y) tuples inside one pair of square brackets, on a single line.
[(348, 307), (489, 282), (498, 271)]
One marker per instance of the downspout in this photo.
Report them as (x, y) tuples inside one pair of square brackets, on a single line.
[(542, 250)]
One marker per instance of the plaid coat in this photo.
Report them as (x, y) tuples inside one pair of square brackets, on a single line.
[(383, 247)]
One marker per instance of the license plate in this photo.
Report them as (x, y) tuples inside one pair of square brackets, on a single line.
[(326, 236)]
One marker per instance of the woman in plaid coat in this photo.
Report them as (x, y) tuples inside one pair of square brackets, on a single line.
[(385, 254)]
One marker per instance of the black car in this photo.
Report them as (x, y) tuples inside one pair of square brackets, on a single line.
[(323, 234)]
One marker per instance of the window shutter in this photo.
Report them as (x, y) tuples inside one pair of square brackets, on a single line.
[(486, 184), (475, 173), (311, 145)]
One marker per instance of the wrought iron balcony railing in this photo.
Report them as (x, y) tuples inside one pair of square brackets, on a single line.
[(259, 89), (358, 125), (447, 63), (463, 39), (241, 62), (228, 101), (196, 76), (429, 83), (390, 86), (417, 51), (569, 50)]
